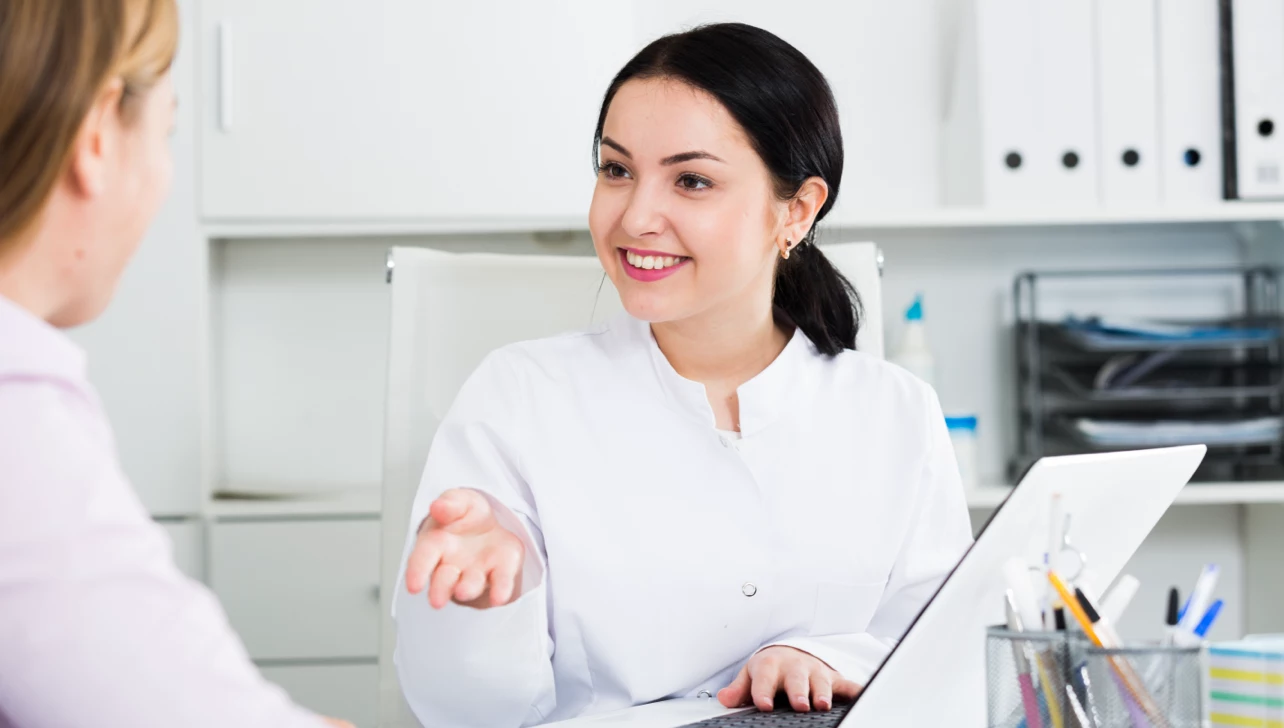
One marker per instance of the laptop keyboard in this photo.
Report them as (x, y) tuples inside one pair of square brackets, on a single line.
[(779, 719)]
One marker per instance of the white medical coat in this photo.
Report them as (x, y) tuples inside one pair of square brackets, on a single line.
[(661, 554)]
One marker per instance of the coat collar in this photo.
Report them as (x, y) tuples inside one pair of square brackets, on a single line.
[(763, 399)]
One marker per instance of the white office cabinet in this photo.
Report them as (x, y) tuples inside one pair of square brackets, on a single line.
[(189, 546), (145, 352), (350, 692), (881, 60), (302, 589), (403, 109)]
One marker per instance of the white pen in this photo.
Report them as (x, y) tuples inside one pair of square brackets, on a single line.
[(1184, 635)]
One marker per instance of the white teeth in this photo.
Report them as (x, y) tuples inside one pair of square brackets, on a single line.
[(651, 262)]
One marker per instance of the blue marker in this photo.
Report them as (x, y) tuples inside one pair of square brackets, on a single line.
[(1210, 616)]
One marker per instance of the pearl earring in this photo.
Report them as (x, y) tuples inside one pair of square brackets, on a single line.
[(785, 254)]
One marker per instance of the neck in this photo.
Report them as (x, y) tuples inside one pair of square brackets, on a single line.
[(30, 273), (721, 349), (17, 285)]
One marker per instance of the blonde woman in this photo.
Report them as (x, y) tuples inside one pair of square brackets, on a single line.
[(97, 626)]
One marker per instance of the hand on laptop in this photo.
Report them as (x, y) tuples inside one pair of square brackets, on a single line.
[(806, 681), (463, 554)]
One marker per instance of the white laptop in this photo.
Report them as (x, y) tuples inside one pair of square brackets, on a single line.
[(936, 674)]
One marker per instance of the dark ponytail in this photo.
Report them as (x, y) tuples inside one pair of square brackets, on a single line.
[(786, 108)]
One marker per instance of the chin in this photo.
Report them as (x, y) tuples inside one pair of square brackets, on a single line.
[(80, 312), (651, 309)]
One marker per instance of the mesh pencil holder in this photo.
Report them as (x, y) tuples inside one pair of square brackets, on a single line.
[(1025, 677), (1138, 685)]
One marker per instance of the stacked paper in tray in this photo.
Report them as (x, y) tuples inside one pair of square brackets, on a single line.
[(1246, 682)]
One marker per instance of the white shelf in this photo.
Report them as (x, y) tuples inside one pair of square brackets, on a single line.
[(964, 217), (926, 219), (990, 496), (363, 502)]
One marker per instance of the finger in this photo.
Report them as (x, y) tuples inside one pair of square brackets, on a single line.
[(822, 691), (443, 584), (798, 688), (471, 585), (764, 684), (736, 694), (846, 689), (460, 510), (422, 562), (503, 579)]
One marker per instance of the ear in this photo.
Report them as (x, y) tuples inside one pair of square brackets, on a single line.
[(95, 142), (803, 209)]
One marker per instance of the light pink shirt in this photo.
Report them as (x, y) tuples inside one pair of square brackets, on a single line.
[(97, 625)]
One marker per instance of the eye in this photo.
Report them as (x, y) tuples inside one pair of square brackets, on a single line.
[(693, 182), (613, 170)]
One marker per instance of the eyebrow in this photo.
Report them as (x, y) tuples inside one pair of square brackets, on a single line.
[(667, 161)]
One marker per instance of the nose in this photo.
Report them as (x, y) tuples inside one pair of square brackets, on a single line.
[(645, 215)]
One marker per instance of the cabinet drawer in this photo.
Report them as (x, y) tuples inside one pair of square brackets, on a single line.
[(350, 692), (299, 589)]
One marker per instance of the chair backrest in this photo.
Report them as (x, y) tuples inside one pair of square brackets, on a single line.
[(448, 311)]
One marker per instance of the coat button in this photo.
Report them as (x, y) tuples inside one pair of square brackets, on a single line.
[(704, 694), (748, 589)]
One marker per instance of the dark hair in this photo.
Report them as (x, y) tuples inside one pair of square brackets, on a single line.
[(785, 106)]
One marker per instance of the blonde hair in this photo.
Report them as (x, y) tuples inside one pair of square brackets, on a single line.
[(56, 58)]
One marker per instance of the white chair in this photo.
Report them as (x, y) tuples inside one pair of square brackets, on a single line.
[(448, 311)]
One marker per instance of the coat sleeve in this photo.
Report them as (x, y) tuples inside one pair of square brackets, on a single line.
[(939, 533), (460, 666)]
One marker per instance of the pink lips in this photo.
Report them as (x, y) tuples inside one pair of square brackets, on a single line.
[(643, 274)]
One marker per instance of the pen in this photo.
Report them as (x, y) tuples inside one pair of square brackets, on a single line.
[(1109, 637), (1210, 616), (1079, 715), (1024, 677), (1024, 600), (1200, 599), (1171, 617), (1131, 682)]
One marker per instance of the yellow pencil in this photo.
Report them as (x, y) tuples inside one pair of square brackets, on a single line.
[(1130, 679)]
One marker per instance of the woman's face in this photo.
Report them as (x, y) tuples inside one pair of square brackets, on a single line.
[(684, 216)]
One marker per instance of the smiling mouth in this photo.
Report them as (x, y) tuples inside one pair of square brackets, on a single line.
[(652, 261), (649, 266)]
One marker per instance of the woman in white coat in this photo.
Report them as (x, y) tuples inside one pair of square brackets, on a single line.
[(713, 495)]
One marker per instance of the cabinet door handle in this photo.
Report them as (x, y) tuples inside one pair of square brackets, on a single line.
[(225, 75)]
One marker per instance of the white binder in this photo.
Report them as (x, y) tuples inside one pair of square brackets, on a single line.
[(1067, 163), (1127, 104), (1257, 40), (1190, 134), (1007, 81)]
